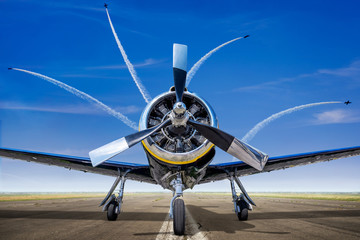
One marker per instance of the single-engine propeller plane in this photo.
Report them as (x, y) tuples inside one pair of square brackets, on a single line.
[(179, 132)]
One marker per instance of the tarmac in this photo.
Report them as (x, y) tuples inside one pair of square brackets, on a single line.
[(209, 216)]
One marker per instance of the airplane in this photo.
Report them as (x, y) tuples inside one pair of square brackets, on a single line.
[(105, 5), (347, 102), (179, 132), (246, 36)]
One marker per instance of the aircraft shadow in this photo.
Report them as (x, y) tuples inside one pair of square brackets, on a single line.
[(80, 215), (305, 214), (206, 219), (228, 222)]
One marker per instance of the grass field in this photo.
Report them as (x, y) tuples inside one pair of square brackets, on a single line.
[(45, 196), (318, 196)]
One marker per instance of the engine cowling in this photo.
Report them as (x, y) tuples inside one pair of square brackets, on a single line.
[(177, 145)]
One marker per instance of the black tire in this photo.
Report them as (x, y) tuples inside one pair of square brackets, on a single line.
[(179, 217), (111, 215), (244, 211)]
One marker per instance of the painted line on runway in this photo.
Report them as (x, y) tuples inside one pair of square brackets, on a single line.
[(192, 230)]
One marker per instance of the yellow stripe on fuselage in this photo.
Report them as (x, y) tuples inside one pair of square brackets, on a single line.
[(174, 162)]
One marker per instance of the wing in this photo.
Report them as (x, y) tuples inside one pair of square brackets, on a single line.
[(138, 172), (216, 172)]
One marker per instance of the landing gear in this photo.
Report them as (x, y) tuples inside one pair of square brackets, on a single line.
[(111, 203), (243, 202), (179, 217), (177, 207), (112, 211), (243, 214)]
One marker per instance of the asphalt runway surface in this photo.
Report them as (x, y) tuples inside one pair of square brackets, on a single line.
[(209, 216)]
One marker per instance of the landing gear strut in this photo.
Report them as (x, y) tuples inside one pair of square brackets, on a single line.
[(177, 207), (243, 202), (112, 203)]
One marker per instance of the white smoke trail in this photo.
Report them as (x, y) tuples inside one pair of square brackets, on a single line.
[(132, 71), (197, 65), (83, 96), (266, 121)]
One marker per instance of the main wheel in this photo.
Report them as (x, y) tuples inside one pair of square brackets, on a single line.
[(179, 217), (111, 214), (244, 211)]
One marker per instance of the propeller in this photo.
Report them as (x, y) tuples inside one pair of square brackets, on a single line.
[(180, 117), (232, 145), (112, 149), (179, 69)]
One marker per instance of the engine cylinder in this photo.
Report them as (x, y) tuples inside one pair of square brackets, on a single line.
[(177, 145)]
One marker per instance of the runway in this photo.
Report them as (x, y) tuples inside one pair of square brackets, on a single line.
[(144, 216)]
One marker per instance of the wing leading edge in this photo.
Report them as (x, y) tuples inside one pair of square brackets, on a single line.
[(217, 172), (141, 172), (138, 172)]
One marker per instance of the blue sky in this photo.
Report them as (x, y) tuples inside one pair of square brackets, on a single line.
[(298, 53)]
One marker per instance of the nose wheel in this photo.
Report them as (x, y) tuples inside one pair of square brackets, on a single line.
[(179, 216), (177, 207)]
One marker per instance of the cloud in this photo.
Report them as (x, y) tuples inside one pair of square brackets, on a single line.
[(17, 178), (57, 5), (261, 86), (92, 76), (147, 62), (352, 71), (128, 109), (336, 116), (68, 109), (272, 84)]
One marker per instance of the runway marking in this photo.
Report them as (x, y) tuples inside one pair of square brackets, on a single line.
[(192, 230)]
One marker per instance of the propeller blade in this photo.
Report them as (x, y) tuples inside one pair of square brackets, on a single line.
[(232, 145), (112, 149), (179, 69)]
